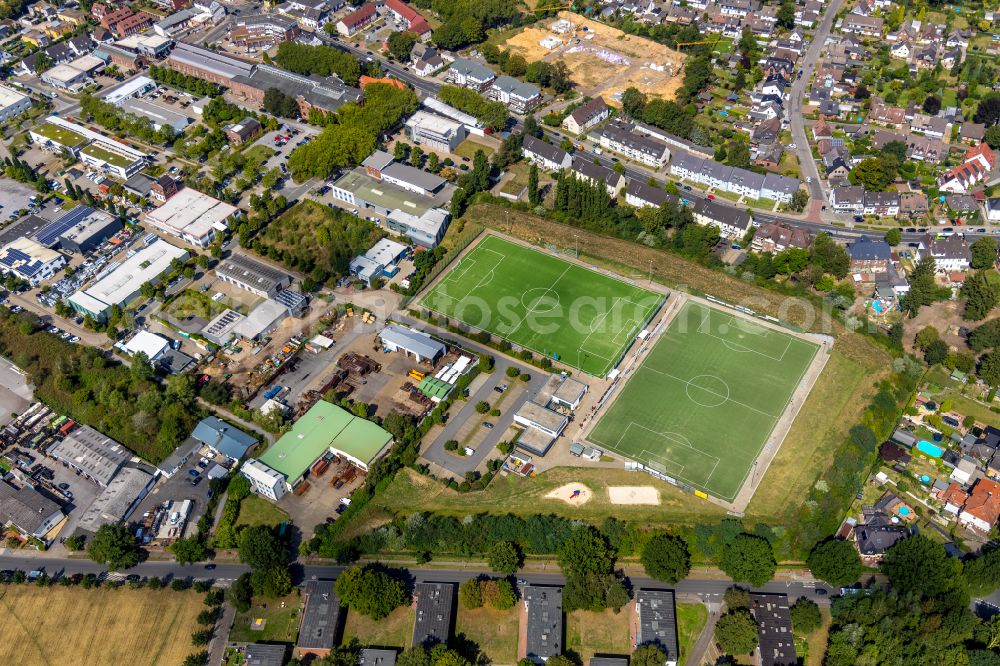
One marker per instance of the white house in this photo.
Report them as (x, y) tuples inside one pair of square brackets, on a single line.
[(545, 155)]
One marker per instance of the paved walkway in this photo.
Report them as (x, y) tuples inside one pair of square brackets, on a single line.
[(217, 647), (706, 638)]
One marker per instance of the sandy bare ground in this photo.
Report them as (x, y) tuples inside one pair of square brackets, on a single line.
[(604, 60), (565, 493), (633, 495)]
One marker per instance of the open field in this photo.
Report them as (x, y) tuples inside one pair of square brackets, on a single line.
[(281, 616), (544, 303), (469, 147), (70, 625), (691, 619), (255, 510), (190, 303), (706, 398), (589, 633), (603, 60), (411, 492), (396, 630), (494, 631)]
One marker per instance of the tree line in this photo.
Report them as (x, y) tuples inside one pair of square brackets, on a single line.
[(322, 60), (355, 134), (492, 114), (185, 82), (123, 123)]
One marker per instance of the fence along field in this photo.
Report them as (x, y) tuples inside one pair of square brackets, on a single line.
[(706, 398), (553, 307)]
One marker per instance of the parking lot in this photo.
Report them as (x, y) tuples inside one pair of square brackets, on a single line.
[(84, 492), (178, 488), (319, 503), (14, 196), (15, 394)]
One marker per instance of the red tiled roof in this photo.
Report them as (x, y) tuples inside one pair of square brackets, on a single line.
[(955, 495), (984, 502)]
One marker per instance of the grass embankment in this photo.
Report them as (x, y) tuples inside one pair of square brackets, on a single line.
[(395, 631), (257, 511), (97, 627)]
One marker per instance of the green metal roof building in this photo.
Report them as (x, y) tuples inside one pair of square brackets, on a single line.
[(325, 428), (434, 388)]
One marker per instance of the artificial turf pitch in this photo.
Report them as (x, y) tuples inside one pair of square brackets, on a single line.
[(583, 318), (704, 401)]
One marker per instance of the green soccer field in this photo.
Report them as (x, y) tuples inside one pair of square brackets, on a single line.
[(553, 307), (703, 403)]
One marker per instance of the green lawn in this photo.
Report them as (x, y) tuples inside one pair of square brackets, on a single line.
[(691, 619), (257, 511), (396, 630), (469, 147), (543, 303), (282, 621), (494, 631), (589, 633), (705, 400), (190, 303)]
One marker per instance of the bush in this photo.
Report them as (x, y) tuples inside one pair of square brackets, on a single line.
[(470, 594), (512, 372), (451, 445), (178, 585), (805, 616)]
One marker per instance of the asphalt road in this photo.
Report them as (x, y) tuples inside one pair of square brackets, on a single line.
[(807, 164)]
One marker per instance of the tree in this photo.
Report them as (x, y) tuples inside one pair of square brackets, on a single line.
[(401, 44), (648, 655), (504, 557), (925, 336), (748, 558), (932, 104), (984, 252), (736, 632), (416, 156), (272, 582), (936, 352), (893, 237), (800, 199), (370, 591), (633, 102), (981, 293), (992, 137), (470, 594), (983, 573), (989, 368), (240, 593), (196, 659), (786, 15), (835, 562), (75, 542), (114, 546), (874, 173), (666, 557), (189, 550), (534, 197), (988, 111), (497, 593), (261, 548), (805, 616), (736, 597), (918, 565), (924, 290)]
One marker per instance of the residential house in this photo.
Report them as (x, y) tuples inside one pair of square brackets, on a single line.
[(596, 174), (972, 133), (950, 253), (584, 117), (881, 203), (733, 223), (982, 509), (656, 622), (954, 498), (776, 238), (993, 209), (876, 535), (644, 149), (356, 20), (433, 604), (882, 114), (469, 74), (912, 204), (545, 155), (520, 97), (868, 26), (869, 255), (979, 161), (779, 188), (766, 132), (643, 195)]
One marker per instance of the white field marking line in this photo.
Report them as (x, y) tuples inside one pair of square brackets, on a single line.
[(731, 344), (727, 399), (529, 311), (647, 457), (737, 323), (601, 317), (683, 468)]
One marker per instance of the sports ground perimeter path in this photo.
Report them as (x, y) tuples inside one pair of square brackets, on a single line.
[(773, 443)]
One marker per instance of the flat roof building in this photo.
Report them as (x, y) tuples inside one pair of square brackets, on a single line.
[(320, 619), (434, 609), (123, 283), (152, 345), (374, 657), (435, 132), (657, 622), (262, 320), (160, 116), (774, 629), (533, 415), (113, 158), (324, 429), (410, 341), (12, 103), (92, 453), (192, 216), (207, 64), (89, 229), (252, 275), (136, 87), (427, 230), (545, 622), (118, 500), (221, 329), (30, 261)]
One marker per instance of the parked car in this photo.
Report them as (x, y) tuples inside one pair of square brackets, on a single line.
[(193, 472)]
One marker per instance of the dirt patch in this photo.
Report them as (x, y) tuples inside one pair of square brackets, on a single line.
[(574, 494), (633, 495), (603, 60), (947, 318)]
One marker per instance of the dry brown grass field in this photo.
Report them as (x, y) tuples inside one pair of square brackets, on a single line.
[(98, 627)]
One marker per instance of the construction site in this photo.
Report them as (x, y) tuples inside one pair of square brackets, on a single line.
[(602, 60)]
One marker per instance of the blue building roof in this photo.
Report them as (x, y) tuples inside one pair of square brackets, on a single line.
[(224, 438)]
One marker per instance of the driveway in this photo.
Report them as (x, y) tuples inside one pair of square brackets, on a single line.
[(802, 147)]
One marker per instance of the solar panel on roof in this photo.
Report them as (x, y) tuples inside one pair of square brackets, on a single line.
[(50, 233)]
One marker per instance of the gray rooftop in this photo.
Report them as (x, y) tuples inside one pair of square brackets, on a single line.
[(545, 621), (512, 86), (320, 616), (774, 629), (407, 174), (92, 452), (657, 620), (374, 657), (869, 248), (115, 502), (328, 93), (217, 63), (24, 507), (472, 70), (722, 214), (434, 608), (653, 195), (608, 661), (257, 274), (535, 145), (264, 654), (639, 142), (417, 342), (595, 172)]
